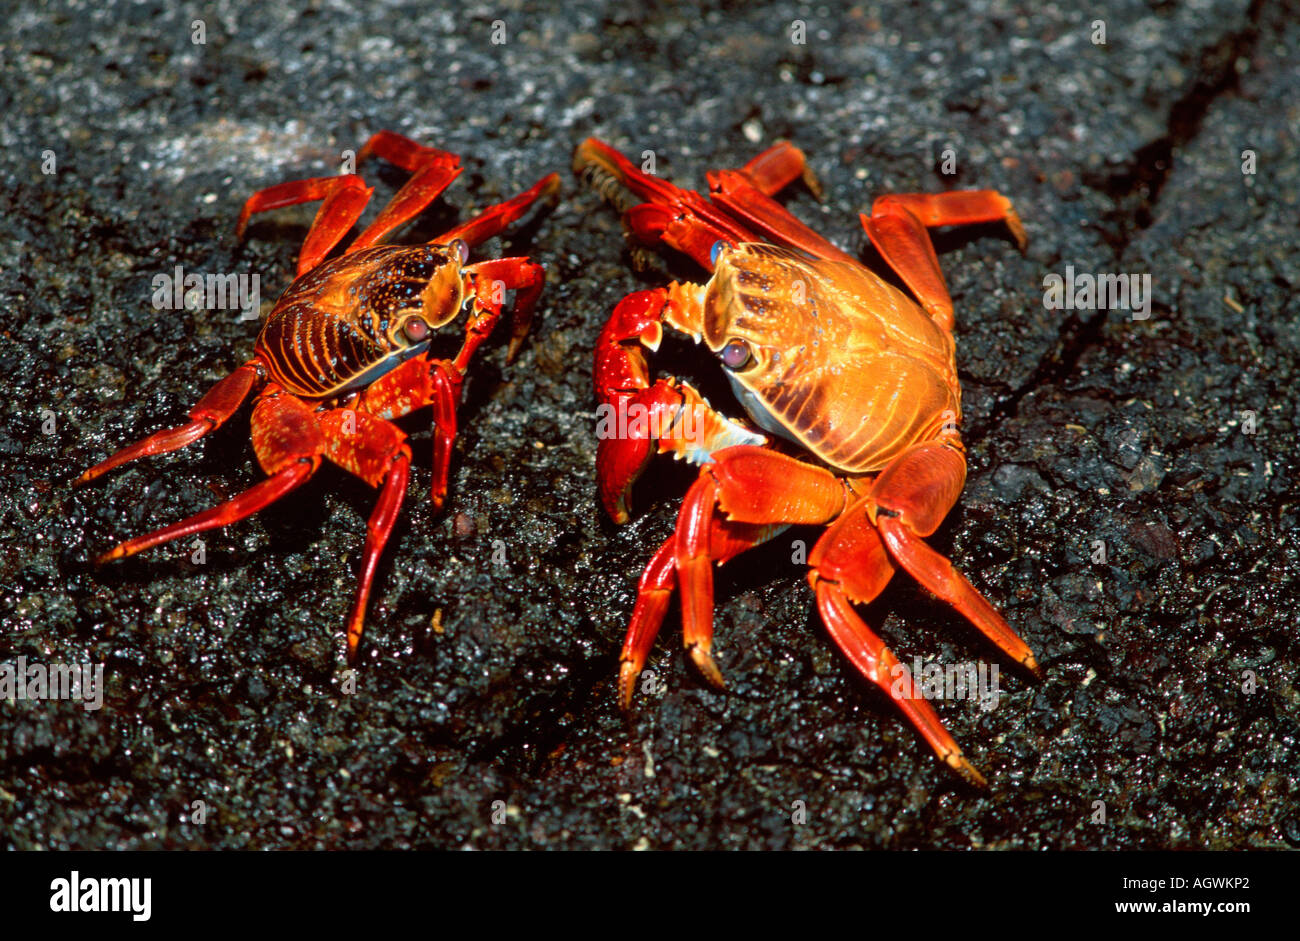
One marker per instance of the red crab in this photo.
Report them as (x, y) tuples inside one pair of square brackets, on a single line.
[(345, 350), (852, 385)]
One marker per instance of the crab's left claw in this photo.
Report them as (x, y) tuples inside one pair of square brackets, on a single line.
[(638, 419)]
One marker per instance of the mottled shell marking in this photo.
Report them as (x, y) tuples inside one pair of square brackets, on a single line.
[(340, 326)]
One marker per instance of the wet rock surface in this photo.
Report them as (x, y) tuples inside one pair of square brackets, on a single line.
[(1131, 505)]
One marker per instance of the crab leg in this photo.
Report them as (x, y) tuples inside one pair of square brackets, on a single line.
[(874, 660), (217, 405), (653, 593), (414, 384), (517, 274), (897, 227), (431, 169), (732, 190), (737, 502), (345, 196), (908, 501), (849, 565), (746, 485), (377, 531), (726, 541), (747, 195), (233, 510), (445, 398), (494, 219), (376, 451), (684, 231), (739, 208), (681, 219), (609, 167), (777, 167), (288, 445)]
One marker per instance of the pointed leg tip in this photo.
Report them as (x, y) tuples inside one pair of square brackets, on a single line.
[(967, 771), (627, 677), (112, 555), (353, 643), (702, 657), (814, 185), (1017, 230), (1031, 664), (92, 473)]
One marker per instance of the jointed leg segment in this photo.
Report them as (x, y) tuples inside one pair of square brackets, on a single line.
[(345, 197), (747, 494), (220, 402)]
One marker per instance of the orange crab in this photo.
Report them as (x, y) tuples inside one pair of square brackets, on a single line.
[(346, 349), (850, 382)]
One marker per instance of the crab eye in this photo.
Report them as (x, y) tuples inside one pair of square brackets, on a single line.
[(716, 250), (461, 248), (735, 354), (415, 329)]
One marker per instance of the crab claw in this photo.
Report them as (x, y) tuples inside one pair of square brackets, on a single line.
[(622, 452), (622, 378), (636, 418)]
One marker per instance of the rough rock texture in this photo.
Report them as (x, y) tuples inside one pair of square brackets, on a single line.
[(486, 682)]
